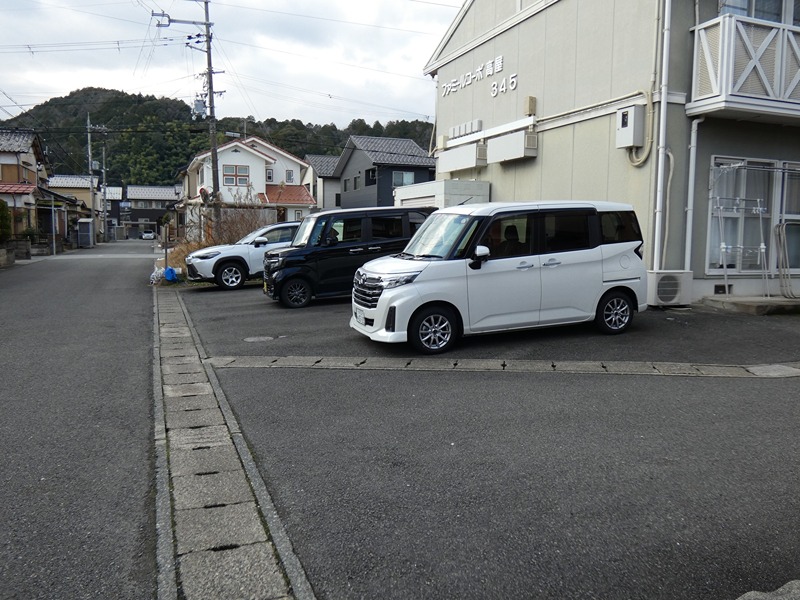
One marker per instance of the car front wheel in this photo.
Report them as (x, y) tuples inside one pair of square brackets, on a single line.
[(614, 313), (433, 330), (230, 276), (296, 293)]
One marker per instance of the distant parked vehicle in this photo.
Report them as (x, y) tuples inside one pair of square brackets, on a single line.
[(148, 234), (330, 245), (229, 266)]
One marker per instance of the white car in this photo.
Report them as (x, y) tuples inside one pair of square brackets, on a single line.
[(497, 266), (148, 234), (231, 265)]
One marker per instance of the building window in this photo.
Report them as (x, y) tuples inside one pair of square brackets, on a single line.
[(235, 175), (767, 10), (400, 178), (269, 175), (371, 177), (346, 185), (289, 176), (740, 213), (298, 215), (201, 176), (356, 182)]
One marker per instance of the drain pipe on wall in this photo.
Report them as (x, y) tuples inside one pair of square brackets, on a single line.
[(662, 137), (687, 252)]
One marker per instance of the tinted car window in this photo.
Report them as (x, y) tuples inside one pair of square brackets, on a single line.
[(347, 229), (388, 227), (618, 227), (508, 236), (566, 230)]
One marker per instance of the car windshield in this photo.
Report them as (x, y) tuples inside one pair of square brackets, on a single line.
[(309, 232), (250, 237), (442, 235)]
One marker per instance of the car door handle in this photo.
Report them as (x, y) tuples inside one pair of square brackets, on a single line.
[(525, 266), (551, 263), (356, 250), (374, 248)]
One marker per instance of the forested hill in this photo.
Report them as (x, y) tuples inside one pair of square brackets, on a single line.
[(148, 139)]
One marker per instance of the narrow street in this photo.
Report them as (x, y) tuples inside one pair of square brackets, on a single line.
[(77, 492)]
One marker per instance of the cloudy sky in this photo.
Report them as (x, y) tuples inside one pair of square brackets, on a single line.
[(320, 61)]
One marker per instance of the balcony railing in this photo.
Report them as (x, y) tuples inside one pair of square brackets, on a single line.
[(746, 68)]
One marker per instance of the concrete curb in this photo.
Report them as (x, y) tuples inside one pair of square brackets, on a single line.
[(218, 533)]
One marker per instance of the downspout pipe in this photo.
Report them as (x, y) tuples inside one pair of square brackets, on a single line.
[(662, 137), (687, 253)]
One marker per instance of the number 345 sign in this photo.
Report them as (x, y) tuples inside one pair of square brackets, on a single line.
[(504, 85)]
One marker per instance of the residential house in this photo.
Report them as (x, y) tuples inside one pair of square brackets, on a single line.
[(147, 205), (689, 111), (371, 168), (36, 210), (84, 192), (320, 181), (253, 174)]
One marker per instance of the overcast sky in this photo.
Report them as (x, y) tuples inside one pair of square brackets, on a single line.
[(320, 61)]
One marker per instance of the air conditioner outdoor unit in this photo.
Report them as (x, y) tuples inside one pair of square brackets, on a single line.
[(669, 288), (480, 152)]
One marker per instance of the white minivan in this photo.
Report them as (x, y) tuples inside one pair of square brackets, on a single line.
[(495, 266)]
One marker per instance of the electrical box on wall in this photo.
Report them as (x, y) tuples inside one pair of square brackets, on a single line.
[(630, 126)]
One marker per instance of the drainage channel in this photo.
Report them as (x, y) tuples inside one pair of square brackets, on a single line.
[(219, 535)]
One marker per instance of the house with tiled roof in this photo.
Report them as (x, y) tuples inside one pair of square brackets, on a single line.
[(320, 181), (145, 205), (253, 174), (38, 210), (371, 168)]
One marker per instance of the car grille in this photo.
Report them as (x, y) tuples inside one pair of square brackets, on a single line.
[(366, 290)]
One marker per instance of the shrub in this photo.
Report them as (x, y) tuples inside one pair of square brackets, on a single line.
[(5, 223)]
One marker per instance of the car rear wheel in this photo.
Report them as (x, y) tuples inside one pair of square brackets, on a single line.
[(230, 276), (296, 293), (433, 330), (614, 313)]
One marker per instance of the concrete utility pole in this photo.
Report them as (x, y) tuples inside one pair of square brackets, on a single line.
[(216, 198), (91, 176)]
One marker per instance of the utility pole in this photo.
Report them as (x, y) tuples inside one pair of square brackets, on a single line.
[(105, 196), (216, 198), (91, 176)]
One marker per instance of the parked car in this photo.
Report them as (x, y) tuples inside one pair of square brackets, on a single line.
[(330, 245), (229, 266), (148, 234), (502, 266)]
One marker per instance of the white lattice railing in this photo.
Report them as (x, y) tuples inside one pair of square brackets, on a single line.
[(746, 60)]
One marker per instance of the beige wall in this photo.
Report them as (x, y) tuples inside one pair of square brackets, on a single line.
[(573, 55)]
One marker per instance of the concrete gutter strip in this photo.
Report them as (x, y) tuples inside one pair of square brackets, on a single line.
[(227, 539)]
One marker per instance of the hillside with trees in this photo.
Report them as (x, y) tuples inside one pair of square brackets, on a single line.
[(148, 140)]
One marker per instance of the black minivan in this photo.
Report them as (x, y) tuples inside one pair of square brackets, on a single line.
[(331, 245)]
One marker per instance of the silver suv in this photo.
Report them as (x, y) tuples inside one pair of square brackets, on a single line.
[(231, 265)]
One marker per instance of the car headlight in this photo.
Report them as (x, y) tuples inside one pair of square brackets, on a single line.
[(204, 255), (398, 280), (273, 263)]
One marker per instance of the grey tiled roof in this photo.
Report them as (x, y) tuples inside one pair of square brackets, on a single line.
[(16, 141), (393, 151), (153, 192), (323, 164), (69, 181)]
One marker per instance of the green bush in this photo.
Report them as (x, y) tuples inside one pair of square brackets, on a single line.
[(5, 223)]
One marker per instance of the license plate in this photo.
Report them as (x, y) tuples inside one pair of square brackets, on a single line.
[(359, 316)]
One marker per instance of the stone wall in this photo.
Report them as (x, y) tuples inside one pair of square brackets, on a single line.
[(7, 257)]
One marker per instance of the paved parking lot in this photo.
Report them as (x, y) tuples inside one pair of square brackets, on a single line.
[(399, 482)]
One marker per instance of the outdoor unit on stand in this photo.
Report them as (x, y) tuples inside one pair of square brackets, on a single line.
[(669, 288)]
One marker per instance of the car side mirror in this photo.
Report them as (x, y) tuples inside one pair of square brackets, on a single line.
[(480, 256), (260, 241), (331, 240)]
